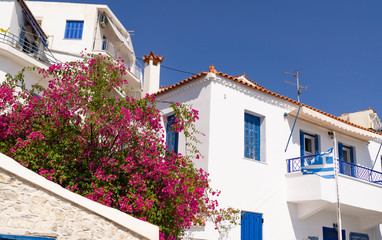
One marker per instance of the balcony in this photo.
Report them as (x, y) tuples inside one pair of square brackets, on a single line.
[(31, 49), (359, 190), (104, 45), (342, 167)]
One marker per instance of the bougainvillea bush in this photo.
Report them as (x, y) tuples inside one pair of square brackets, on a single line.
[(82, 134)]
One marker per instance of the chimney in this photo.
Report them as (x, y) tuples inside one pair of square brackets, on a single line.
[(151, 73)]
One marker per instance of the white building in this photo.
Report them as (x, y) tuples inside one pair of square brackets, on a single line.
[(247, 128), (41, 33), (22, 42)]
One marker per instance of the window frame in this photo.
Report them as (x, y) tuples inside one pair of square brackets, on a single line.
[(104, 43), (74, 32), (347, 169), (256, 140), (316, 138), (170, 120)]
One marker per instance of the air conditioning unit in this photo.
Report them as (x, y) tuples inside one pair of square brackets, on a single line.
[(102, 20)]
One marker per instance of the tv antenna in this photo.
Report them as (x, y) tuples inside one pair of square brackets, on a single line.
[(299, 87)]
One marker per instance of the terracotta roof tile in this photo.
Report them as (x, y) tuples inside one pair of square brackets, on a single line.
[(156, 59), (262, 89)]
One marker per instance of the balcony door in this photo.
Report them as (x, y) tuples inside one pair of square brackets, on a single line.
[(346, 156), (332, 234)]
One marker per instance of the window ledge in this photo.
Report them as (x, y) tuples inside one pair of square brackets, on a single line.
[(253, 160)]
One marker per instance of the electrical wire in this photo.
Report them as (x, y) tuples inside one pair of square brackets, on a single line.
[(173, 69)]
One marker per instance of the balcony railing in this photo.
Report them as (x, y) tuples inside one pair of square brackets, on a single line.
[(31, 49), (350, 169), (108, 47)]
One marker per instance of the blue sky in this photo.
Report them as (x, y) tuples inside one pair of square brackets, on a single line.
[(338, 44)]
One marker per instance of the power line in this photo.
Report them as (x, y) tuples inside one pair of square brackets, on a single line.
[(173, 69)]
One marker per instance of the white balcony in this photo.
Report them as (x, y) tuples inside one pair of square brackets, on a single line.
[(360, 195), (134, 74)]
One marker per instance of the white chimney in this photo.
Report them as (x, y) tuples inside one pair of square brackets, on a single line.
[(151, 73)]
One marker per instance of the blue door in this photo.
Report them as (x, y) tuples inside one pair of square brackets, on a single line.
[(332, 234), (251, 226)]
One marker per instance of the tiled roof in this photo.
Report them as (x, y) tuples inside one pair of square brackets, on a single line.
[(259, 88)]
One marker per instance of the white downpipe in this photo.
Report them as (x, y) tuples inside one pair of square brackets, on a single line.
[(338, 205)]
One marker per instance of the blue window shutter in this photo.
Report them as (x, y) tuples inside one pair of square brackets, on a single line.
[(351, 155), (316, 144), (74, 29), (302, 144), (332, 234), (341, 157), (251, 226), (251, 136), (352, 161), (171, 136), (340, 151)]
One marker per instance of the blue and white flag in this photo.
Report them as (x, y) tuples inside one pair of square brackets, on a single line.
[(321, 164)]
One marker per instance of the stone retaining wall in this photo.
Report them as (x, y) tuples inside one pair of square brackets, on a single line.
[(26, 209)]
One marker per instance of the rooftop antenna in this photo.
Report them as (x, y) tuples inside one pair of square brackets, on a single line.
[(299, 87)]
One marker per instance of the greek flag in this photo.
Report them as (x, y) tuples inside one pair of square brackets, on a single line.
[(320, 164)]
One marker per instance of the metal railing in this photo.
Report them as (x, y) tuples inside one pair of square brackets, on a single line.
[(112, 50), (136, 70), (345, 168), (31, 49)]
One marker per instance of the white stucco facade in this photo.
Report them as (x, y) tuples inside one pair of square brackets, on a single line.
[(33, 35), (102, 33), (293, 205)]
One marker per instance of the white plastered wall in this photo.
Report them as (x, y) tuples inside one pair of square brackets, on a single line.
[(251, 185)]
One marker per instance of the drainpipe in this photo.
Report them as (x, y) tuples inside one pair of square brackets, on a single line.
[(151, 78), (338, 205), (96, 29)]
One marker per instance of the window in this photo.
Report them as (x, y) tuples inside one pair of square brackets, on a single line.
[(171, 136), (308, 144), (251, 226), (104, 43), (358, 236), (346, 157), (251, 136), (74, 29), (345, 153), (332, 234)]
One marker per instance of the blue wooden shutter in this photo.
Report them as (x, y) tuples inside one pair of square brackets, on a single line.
[(251, 136), (332, 234), (316, 144), (351, 154), (302, 144), (352, 161), (251, 226), (74, 29), (171, 136), (340, 151), (341, 157)]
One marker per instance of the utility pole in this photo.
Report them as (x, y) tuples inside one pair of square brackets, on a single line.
[(299, 87)]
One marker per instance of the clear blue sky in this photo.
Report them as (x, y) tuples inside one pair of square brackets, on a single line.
[(338, 44)]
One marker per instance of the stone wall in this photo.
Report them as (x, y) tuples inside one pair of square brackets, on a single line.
[(26, 209)]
